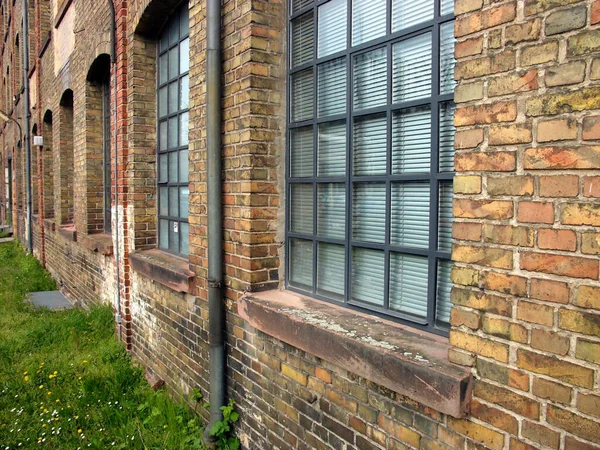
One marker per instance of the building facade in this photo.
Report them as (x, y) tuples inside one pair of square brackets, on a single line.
[(411, 207)]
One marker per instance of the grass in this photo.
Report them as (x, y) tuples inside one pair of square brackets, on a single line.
[(65, 381), (4, 234)]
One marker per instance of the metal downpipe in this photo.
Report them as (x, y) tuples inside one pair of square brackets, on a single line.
[(26, 116), (215, 213)]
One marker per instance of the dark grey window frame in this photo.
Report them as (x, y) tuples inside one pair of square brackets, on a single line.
[(106, 159), (175, 16), (434, 177)]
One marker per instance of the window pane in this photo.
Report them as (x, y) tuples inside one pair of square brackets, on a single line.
[(184, 92), (331, 270), (447, 61), (370, 145), (303, 31), (163, 171), (163, 68), (164, 42), (408, 284), (445, 217), (173, 167), (162, 102), (184, 20), (406, 13), (368, 212), (174, 236), (173, 30), (301, 143), (368, 20), (368, 269), (184, 56), (173, 202), (447, 7), (446, 150), (411, 140), (370, 79), (163, 237), (164, 201), (173, 100), (332, 88), (302, 208), (184, 166), (184, 231), (173, 63), (184, 205), (410, 214), (301, 263), (332, 27), (444, 287), (332, 148), (412, 68), (331, 210), (173, 132), (162, 131), (302, 95), (297, 5), (184, 131)]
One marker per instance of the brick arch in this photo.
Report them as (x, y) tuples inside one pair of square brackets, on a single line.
[(153, 16)]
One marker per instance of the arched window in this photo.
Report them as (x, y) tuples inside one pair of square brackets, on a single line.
[(173, 117), (65, 212), (48, 166), (34, 173)]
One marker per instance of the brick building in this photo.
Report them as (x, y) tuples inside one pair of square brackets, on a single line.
[(410, 194)]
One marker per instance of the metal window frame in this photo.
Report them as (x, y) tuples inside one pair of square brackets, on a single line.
[(106, 159), (175, 17), (434, 177)]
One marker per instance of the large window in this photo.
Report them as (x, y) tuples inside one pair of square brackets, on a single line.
[(370, 155), (173, 117), (107, 218)]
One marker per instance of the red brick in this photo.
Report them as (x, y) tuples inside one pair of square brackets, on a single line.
[(556, 158), (482, 209), (485, 114), (485, 161), (559, 186), (569, 266), (466, 231), (557, 239), (553, 291), (535, 212), (591, 186)]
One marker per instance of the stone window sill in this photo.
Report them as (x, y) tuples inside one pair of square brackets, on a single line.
[(68, 231), (407, 361), (169, 270), (101, 243), (50, 224)]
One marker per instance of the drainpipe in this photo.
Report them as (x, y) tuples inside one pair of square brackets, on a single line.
[(216, 313), (26, 116), (113, 59)]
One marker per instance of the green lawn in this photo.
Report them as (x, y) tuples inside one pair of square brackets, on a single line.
[(65, 381)]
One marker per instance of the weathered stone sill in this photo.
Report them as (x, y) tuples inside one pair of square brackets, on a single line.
[(50, 224), (101, 243), (169, 270), (405, 360), (68, 231)]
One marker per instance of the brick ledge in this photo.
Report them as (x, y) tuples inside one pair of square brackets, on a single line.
[(68, 231), (407, 361), (169, 270), (101, 243)]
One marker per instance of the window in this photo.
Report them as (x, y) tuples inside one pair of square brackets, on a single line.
[(107, 218), (173, 117), (370, 155)]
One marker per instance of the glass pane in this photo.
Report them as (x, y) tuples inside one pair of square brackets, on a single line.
[(163, 68), (411, 77), (173, 63), (301, 263), (332, 88), (370, 145), (164, 41), (163, 234), (297, 5), (447, 7), (173, 100), (173, 30), (331, 270), (162, 101), (408, 284), (370, 79), (303, 32), (368, 212), (173, 167), (444, 286), (302, 208), (164, 202), (302, 154), (184, 131), (445, 217), (368, 271), (173, 202), (410, 214), (174, 236), (406, 13), (184, 21), (184, 232), (447, 61), (163, 171), (331, 210), (446, 151), (332, 27), (368, 20), (184, 205), (184, 92), (184, 166), (332, 148), (184, 56), (162, 131), (173, 132), (302, 95), (411, 140)]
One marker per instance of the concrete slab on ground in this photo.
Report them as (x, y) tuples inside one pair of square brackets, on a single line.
[(8, 239), (54, 300)]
